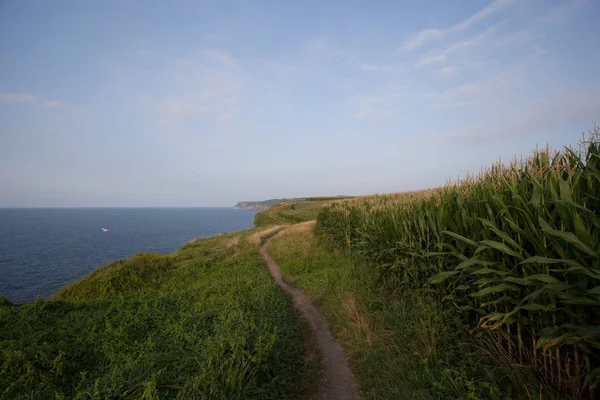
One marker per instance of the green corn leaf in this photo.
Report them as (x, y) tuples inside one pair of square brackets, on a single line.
[(485, 281), (442, 276), (500, 247), (567, 236), (500, 300), (435, 254), (553, 288), (582, 301), (461, 287), (583, 270), (536, 196), (495, 289), (546, 260), (460, 238), (565, 191), (544, 278), (473, 261), (581, 230), (595, 291), (519, 281), (489, 224), (516, 227), (539, 307), (484, 271)]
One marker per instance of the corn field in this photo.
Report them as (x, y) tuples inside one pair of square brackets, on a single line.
[(514, 250)]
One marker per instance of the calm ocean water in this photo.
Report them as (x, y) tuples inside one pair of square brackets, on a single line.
[(41, 250)]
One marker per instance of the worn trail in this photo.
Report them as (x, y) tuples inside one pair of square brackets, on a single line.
[(339, 383)]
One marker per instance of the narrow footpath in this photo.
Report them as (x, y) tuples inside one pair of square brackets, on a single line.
[(339, 383)]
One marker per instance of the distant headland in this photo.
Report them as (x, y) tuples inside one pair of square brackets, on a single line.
[(262, 205)]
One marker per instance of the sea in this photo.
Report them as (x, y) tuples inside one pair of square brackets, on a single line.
[(41, 250)]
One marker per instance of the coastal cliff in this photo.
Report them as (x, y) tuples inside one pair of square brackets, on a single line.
[(261, 205)]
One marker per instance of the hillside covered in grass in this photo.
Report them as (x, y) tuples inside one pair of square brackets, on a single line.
[(205, 322), (487, 288), (292, 212)]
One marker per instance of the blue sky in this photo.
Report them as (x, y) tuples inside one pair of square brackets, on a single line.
[(204, 103)]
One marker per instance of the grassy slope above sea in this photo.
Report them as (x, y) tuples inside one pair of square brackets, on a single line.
[(205, 322), (484, 289)]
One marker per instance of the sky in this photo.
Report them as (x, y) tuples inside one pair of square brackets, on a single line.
[(126, 103)]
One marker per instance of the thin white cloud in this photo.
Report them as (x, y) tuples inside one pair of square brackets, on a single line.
[(484, 91), (571, 106), (27, 98), (369, 109), (7, 97), (563, 12), (53, 103), (209, 86), (219, 57), (431, 59), (443, 55), (427, 34), (491, 9), (369, 67), (420, 38), (324, 48), (448, 71)]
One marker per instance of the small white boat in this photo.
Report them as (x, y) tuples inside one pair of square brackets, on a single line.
[(105, 229)]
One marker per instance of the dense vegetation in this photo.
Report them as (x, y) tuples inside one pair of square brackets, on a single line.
[(293, 212), (399, 345), (325, 198), (205, 322), (514, 251)]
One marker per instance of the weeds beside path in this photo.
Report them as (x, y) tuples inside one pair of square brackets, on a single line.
[(339, 382)]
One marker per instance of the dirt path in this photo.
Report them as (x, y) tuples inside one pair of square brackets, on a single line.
[(339, 383)]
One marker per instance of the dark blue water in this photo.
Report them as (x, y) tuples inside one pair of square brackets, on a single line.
[(42, 250)]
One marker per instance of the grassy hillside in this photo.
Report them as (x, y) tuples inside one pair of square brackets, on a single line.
[(513, 252), (205, 322), (294, 211)]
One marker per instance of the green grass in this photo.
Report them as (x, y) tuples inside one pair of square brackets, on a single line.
[(206, 322), (399, 346), (326, 198), (294, 211)]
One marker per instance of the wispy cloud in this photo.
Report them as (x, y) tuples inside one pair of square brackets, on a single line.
[(325, 48), (443, 55), (563, 12), (447, 71), (432, 33), (370, 109), (209, 86), (369, 67), (488, 90), (420, 38), (27, 98), (7, 97), (571, 106), (53, 103)]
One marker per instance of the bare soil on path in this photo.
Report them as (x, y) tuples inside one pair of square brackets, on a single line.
[(339, 382)]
